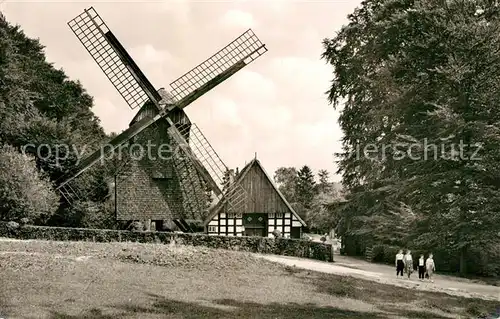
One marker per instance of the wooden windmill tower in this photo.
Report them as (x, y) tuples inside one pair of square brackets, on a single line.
[(171, 188)]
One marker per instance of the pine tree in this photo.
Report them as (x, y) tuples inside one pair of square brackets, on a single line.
[(324, 185), (226, 180), (305, 187)]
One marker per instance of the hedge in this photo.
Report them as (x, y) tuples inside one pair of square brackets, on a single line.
[(264, 245)]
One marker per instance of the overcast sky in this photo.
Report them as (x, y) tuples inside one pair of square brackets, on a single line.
[(275, 107)]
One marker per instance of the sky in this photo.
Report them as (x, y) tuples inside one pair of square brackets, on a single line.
[(275, 108)]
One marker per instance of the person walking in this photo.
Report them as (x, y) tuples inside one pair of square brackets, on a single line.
[(408, 261), (421, 267), (430, 267), (399, 263)]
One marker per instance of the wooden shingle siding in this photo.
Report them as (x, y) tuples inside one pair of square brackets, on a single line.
[(150, 188), (263, 200)]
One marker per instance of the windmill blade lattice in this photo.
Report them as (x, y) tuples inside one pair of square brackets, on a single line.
[(193, 187), (200, 167), (105, 49), (235, 194), (244, 49)]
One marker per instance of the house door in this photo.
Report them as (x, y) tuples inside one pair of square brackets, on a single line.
[(255, 224), (295, 233)]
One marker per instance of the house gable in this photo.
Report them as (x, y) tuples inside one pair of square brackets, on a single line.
[(263, 194)]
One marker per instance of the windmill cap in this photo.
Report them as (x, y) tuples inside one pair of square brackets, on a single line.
[(166, 97)]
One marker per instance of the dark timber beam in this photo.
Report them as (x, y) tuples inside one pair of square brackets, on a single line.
[(196, 162)]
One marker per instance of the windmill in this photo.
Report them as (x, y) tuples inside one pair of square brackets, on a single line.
[(194, 166)]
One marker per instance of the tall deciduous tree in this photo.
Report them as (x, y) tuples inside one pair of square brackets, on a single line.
[(286, 179), (45, 114), (420, 80)]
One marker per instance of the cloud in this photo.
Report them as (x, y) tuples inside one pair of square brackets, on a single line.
[(115, 117), (248, 84), (276, 107), (302, 72), (226, 111), (238, 18), (148, 54), (179, 10)]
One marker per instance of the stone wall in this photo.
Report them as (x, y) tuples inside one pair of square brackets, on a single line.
[(264, 245)]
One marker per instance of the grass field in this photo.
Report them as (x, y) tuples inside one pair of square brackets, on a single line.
[(42, 279)]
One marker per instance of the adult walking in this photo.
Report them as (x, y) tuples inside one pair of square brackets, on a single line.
[(400, 265), (421, 267), (430, 267), (408, 261)]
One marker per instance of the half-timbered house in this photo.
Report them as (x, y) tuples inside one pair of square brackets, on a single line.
[(264, 209)]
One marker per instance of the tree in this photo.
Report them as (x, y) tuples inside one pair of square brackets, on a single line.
[(413, 74), (286, 180), (324, 185), (305, 186), (227, 180), (24, 191), (42, 112)]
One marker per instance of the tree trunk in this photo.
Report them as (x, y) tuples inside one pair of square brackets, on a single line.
[(463, 261)]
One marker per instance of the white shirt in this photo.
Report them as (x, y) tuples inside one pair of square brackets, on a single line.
[(408, 258), (399, 256), (429, 263), (421, 261)]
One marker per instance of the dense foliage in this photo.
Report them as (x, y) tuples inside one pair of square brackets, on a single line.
[(48, 117), (419, 83), (24, 191), (308, 197)]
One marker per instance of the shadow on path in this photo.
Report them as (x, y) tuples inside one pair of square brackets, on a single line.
[(228, 308)]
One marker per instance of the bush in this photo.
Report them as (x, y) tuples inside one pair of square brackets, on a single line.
[(24, 191), (264, 245), (384, 254)]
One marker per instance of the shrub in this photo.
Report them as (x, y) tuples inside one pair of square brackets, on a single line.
[(265, 245), (24, 191), (276, 233)]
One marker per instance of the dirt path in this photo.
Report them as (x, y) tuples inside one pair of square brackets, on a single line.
[(386, 274)]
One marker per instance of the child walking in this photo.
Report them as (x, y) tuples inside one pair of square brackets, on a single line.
[(421, 267), (400, 265), (430, 267)]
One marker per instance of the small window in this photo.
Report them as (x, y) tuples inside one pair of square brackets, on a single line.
[(230, 215), (271, 215), (239, 215), (212, 229), (279, 215)]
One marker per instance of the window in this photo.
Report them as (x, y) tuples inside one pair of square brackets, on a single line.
[(230, 215), (212, 229), (238, 215), (271, 215), (279, 215)]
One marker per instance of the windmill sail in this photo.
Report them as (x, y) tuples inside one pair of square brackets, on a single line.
[(93, 158), (113, 59), (134, 87), (203, 151), (220, 66)]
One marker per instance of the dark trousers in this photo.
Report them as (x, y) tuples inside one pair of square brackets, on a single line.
[(421, 272), (400, 267)]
